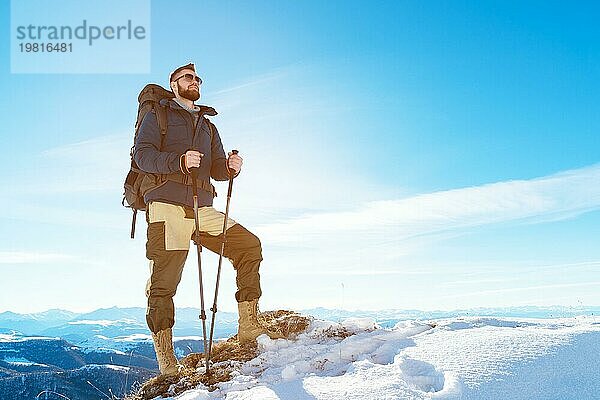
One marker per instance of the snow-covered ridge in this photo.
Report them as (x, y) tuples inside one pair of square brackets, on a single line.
[(456, 358), (103, 322), (138, 337), (105, 366), (16, 337), (21, 361)]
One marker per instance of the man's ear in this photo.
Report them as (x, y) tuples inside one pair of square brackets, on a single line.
[(174, 87)]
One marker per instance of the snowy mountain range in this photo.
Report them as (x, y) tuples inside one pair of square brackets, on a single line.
[(115, 321), (109, 351)]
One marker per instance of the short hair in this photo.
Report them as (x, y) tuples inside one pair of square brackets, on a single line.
[(187, 66)]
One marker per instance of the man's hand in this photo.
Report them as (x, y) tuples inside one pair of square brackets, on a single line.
[(192, 159), (234, 162)]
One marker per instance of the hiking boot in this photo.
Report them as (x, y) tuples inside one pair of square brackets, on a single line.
[(249, 328), (165, 355)]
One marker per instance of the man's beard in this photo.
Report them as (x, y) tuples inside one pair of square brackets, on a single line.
[(190, 94)]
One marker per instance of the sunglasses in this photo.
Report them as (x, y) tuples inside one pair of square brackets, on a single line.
[(190, 77)]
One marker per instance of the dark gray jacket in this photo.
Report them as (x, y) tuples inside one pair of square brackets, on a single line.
[(163, 160)]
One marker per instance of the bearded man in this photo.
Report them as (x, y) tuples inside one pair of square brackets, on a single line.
[(191, 144)]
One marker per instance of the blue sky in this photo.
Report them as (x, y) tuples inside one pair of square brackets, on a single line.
[(397, 155)]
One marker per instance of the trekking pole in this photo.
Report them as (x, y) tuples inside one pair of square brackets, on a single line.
[(214, 306), (202, 315)]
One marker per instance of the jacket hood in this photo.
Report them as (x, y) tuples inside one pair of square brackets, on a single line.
[(204, 110)]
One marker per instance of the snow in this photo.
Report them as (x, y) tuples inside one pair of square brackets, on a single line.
[(103, 322), (7, 337), (136, 337), (19, 338), (106, 366), (123, 344), (119, 344), (22, 362), (105, 350), (488, 358)]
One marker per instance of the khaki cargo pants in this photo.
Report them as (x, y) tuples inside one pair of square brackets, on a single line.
[(170, 230)]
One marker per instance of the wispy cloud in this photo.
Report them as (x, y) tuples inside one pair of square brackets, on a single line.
[(283, 126), (94, 165), (562, 195), (524, 289), (270, 118), (15, 257), (257, 80)]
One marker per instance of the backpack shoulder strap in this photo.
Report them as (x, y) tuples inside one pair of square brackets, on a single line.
[(161, 119), (210, 128)]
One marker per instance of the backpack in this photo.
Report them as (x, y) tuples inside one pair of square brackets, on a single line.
[(135, 186), (148, 101)]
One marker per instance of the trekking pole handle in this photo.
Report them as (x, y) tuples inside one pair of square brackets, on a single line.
[(194, 170), (234, 152), (229, 170), (231, 175), (194, 174)]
